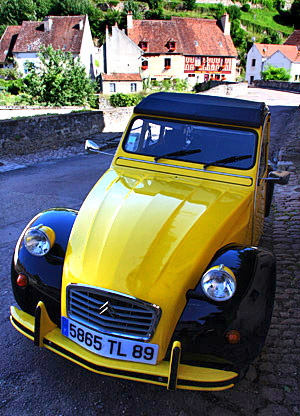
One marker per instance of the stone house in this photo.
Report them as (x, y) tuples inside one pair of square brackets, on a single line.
[(121, 82), (281, 56), (186, 48), (68, 33), (120, 64)]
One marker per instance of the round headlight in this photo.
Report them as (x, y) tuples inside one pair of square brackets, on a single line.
[(219, 283), (38, 240)]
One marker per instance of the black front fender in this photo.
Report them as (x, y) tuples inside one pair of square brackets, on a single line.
[(44, 273), (204, 323)]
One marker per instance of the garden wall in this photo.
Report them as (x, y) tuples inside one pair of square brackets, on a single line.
[(31, 134), (277, 85)]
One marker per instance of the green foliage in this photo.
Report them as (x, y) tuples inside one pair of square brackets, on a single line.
[(157, 14), (189, 4), (60, 80), (234, 13), (10, 73), (220, 10), (42, 8), (13, 87), (125, 100), (176, 84), (273, 38), (246, 7), (155, 4), (273, 73), (295, 13), (134, 7), (13, 12)]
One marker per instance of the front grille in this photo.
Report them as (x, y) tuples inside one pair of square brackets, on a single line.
[(111, 312)]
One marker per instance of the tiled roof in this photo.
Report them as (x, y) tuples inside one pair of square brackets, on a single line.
[(290, 51), (293, 39), (64, 34), (192, 36), (7, 41), (121, 77)]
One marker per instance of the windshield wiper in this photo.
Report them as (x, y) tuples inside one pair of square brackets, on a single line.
[(226, 160), (178, 153)]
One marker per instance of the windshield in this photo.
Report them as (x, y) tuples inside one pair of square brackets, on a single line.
[(196, 143)]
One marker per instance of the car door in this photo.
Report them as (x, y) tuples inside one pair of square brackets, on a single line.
[(260, 191)]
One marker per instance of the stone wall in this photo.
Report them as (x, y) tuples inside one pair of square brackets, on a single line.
[(277, 85), (31, 134), (231, 89)]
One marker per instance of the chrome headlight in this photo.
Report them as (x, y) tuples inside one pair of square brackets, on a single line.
[(219, 283), (39, 240)]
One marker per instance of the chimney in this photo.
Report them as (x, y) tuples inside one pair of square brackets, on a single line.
[(81, 24), (129, 21), (48, 22), (225, 24)]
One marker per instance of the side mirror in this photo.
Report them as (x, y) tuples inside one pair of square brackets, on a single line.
[(277, 177), (281, 178), (91, 147)]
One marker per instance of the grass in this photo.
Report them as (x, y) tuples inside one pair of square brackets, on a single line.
[(267, 18)]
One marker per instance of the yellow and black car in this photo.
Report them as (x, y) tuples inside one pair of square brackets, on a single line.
[(158, 277)]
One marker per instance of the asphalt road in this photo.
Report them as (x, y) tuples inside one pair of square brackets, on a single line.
[(35, 381)]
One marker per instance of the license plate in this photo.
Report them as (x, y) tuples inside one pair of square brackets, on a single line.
[(109, 346)]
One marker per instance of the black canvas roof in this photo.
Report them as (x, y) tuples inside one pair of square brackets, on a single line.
[(203, 108)]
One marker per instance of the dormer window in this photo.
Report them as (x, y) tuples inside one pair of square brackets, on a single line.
[(144, 65), (144, 45), (171, 45)]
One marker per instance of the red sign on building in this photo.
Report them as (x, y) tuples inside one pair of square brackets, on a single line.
[(207, 64)]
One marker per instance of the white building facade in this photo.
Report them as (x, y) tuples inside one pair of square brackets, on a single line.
[(280, 56)]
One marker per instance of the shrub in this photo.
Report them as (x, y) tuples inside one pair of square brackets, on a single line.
[(277, 74), (220, 10), (124, 100), (234, 13), (246, 8)]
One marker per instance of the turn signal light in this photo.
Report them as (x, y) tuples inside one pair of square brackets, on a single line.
[(233, 336), (22, 280)]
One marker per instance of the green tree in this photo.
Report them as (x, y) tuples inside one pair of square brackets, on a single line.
[(273, 38), (189, 4), (220, 10), (157, 14), (42, 8), (234, 13), (13, 12), (59, 80), (273, 73), (132, 6), (295, 13)]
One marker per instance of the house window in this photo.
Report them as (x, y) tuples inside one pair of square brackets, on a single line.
[(144, 46), (112, 87), (27, 66), (253, 62), (296, 77), (144, 65), (167, 63), (171, 46), (217, 77), (133, 87)]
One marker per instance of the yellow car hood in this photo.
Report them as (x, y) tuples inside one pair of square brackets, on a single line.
[(152, 235)]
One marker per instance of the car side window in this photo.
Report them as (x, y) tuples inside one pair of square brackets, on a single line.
[(264, 151)]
